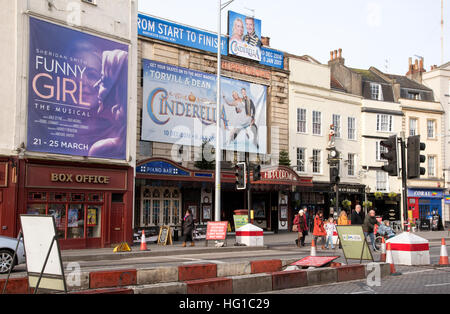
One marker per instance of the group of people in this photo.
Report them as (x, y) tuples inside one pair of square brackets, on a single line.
[(325, 229)]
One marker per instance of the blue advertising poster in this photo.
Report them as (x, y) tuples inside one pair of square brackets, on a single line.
[(77, 103), (152, 27), (180, 108), (178, 34), (245, 36)]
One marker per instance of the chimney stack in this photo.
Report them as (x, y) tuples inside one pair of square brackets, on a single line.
[(336, 55), (415, 70)]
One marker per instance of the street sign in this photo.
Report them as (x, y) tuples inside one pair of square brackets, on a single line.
[(216, 230), (354, 243), (240, 221)]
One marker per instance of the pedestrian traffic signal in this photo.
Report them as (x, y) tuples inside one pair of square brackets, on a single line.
[(414, 157), (240, 170), (391, 155), (257, 173)]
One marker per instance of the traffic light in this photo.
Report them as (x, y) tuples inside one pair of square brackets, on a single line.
[(257, 173), (240, 170), (414, 157), (391, 155), (334, 173)]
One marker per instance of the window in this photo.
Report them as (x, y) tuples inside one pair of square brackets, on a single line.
[(317, 123), (412, 126), (77, 215), (351, 128), (413, 95), (351, 164), (384, 123), (379, 150), (430, 128), (159, 206), (317, 165), (431, 166), (382, 181), (376, 91), (301, 159), (337, 125), (301, 120)]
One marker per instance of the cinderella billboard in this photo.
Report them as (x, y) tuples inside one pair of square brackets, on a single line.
[(180, 108)]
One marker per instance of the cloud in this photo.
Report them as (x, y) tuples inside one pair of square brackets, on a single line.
[(374, 14)]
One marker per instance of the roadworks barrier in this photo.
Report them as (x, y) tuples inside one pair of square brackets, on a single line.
[(209, 278)]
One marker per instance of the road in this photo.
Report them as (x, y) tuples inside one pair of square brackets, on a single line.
[(275, 252)]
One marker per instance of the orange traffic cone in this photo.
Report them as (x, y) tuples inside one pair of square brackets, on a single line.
[(143, 242), (443, 259), (313, 248), (389, 260), (383, 250)]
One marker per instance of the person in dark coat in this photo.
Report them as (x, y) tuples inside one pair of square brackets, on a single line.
[(356, 217), (369, 227), (302, 228), (188, 228)]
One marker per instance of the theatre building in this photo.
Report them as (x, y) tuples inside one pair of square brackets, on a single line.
[(177, 122), (67, 129)]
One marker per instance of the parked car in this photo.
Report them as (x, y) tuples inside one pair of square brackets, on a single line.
[(7, 247)]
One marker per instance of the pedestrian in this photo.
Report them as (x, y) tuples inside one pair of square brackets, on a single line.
[(188, 228), (302, 227), (385, 230), (343, 219), (369, 226), (356, 217), (319, 230), (330, 228)]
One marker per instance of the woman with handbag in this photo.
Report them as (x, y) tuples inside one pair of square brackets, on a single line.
[(300, 226)]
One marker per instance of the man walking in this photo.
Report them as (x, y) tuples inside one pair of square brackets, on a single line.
[(356, 217), (369, 226)]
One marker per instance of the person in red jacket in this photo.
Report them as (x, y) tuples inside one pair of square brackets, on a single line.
[(319, 230), (302, 227)]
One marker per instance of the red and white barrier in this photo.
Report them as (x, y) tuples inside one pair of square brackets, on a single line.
[(250, 235), (409, 249)]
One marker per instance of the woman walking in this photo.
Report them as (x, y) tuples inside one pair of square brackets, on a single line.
[(188, 228), (302, 228), (319, 230)]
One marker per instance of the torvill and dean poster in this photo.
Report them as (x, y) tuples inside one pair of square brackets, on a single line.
[(180, 108)]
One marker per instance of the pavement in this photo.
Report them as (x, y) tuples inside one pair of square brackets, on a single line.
[(271, 240)]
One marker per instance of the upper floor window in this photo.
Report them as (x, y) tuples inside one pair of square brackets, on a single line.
[(301, 159), (351, 164), (376, 92), (317, 122), (337, 125), (430, 128), (317, 162), (384, 123), (301, 120), (431, 166), (351, 128), (412, 126)]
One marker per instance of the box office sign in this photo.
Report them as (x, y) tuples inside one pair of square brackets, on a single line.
[(75, 178), (78, 93), (180, 108)]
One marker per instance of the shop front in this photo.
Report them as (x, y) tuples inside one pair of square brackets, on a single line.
[(165, 190), (425, 206), (92, 206)]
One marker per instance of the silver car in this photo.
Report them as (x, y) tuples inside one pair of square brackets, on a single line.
[(7, 247)]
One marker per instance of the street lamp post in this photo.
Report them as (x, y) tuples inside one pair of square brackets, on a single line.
[(217, 209)]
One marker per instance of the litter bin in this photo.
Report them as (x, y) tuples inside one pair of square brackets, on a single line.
[(175, 234)]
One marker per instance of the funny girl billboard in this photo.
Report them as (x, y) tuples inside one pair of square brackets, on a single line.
[(77, 103), (180, 108)]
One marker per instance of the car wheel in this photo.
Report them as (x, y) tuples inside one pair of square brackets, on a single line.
[(6, 261)]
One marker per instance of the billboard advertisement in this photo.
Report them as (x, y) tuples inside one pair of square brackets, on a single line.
[(78, 93), (180, 108), (245, 36)]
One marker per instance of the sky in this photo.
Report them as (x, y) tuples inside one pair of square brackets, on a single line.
[(379, 33)]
